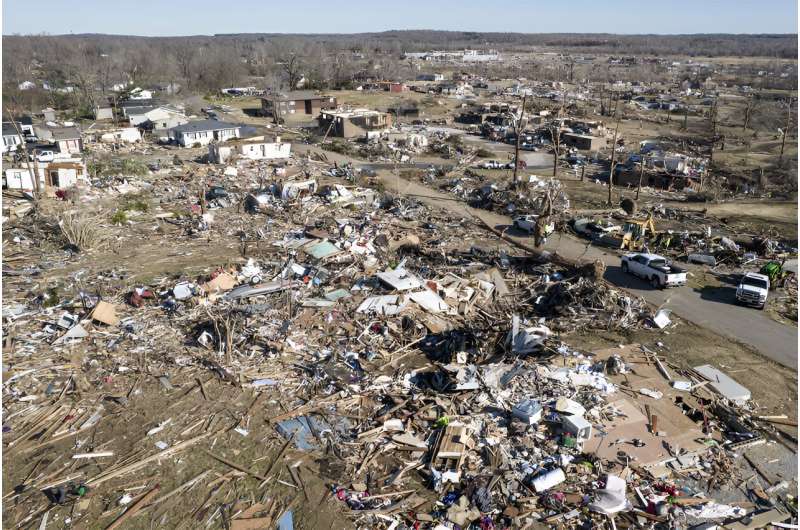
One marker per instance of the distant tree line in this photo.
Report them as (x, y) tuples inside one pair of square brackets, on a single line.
[(93, 63)]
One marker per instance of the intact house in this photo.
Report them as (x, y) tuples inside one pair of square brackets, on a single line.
[(66, 139), (131, 105), (203, 132), (103, 111), (354, 123), (298, 105), (254, 148), (57, 174)]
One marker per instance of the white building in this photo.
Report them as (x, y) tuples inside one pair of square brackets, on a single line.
[(138, 93), (161, 117), (127, 135), (257, 148), (203, 132), (57, 174), (10, 138)]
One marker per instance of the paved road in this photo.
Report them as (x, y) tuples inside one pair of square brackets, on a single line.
[(715, 311)]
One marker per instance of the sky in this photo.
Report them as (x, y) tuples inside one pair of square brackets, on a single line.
[(207, 17)]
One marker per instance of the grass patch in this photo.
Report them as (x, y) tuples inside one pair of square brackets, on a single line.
[(120, 217)]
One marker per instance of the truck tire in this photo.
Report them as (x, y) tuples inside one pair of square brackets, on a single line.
[(625, 267), (655, 282)]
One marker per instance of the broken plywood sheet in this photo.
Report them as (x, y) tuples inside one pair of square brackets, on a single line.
[(222, 282), (450, 451), (494, 277), (105, 313), (680, 430)]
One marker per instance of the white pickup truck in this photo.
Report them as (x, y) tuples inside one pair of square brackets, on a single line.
[(655, 269), (753, 290)]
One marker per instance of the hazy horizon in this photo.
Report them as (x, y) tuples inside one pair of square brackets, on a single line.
[(150, 18)]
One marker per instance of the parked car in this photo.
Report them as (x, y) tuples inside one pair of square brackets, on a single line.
[(653, 268), (528, 147), (753, 290), (525, 222), (45, 156), (491, 164)]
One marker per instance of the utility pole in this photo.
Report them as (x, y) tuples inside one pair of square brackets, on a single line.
[(613, 153), (641, 175), (747, 112), (555, 132), (518, 129), (785, 132)]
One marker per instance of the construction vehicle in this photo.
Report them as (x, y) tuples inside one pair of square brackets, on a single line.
[(774, 271), (635, 233)]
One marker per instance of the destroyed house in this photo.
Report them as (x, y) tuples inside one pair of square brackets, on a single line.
[(255, 148), (66, 139), (354, 123), (296, 105), (158, 120), (584, 142), (10, 138), (404, 110), (103, 111), (203, 132), (57, 174)]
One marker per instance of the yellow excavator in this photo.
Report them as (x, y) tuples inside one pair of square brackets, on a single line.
[(636, 233)]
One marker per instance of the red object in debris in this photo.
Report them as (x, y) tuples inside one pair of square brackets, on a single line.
[(61, 194), (669, 489), (108, 379), (136, 299)]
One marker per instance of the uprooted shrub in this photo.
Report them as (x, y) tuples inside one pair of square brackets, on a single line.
[(82, 232)]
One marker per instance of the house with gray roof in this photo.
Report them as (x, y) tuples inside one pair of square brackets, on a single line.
[(203, 132)]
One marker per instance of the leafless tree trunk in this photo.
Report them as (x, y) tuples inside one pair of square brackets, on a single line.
[(613, 154), (519, 126), (292, 67), (785, 132)]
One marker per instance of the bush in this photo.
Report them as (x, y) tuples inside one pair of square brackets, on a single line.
[(484, 153), (81, 231), (120, 217)]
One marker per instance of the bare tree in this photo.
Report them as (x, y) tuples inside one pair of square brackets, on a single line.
[(292, 66), (185, 57)]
